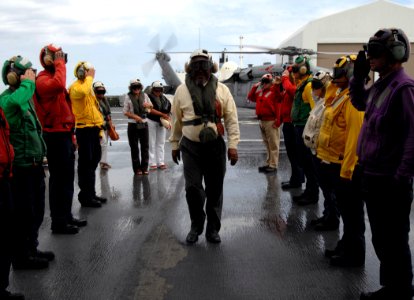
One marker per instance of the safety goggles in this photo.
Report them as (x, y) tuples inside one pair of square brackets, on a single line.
[(201, 65), (100, 92), (375, 50), (156, 90), (295, 69), (136, 87), (317, 84), (339, 72)]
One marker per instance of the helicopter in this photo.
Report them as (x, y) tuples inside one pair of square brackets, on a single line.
[(238, 80)]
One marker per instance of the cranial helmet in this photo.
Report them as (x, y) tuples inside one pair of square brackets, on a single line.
[(135, 82), (81, 68), (392, 41), (320, 80), (157, 84), (98, 84), (47, 54), (302, 65), (13, 68), (200, 55), (344, 66)]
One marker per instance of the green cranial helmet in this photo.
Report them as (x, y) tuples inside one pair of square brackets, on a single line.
[(13, 68), (301, 65)]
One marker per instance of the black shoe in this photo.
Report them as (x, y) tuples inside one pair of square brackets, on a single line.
[(192, 236), (100, 199), (270, 170), (48, 255), (65, 229), (288, 185), (343, 261), (307, 200), (327, 226), (262, 168), (330, 253), (90, 203), (386, 294), (317, 221), (213, 237), (78, 222), (30, 263), (6, 295), (299, 197)]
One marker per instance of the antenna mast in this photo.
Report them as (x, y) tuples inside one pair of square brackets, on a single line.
[(241, 49)]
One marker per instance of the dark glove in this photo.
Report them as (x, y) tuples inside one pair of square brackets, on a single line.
[(233, 156), (361, 66), (176, 156)]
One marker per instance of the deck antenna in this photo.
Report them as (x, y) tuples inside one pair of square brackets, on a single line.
[(241, 49)]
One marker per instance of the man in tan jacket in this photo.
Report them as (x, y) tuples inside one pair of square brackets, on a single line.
[(198, 106)]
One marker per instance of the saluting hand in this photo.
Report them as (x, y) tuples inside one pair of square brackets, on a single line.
[(28, 74), (91, 72)]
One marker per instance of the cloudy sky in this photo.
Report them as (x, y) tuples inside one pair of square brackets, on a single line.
[(115, 35)]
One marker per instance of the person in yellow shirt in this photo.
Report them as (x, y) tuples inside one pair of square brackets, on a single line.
[(336, 150), (88, 126)]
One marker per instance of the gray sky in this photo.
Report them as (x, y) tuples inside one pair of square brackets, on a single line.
[(114, 35)]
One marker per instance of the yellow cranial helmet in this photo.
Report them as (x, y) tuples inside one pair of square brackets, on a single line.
[(81, 68)]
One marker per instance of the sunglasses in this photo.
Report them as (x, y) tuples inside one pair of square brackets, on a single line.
[(100, 92), (136, 87), (157, 90), (265, 81)]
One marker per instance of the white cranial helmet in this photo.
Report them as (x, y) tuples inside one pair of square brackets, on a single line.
[(157, 84), (98, 84), (201, 53)]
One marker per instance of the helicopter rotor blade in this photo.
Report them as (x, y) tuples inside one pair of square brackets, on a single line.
[(171, 43), (154, 44), (147, 67)]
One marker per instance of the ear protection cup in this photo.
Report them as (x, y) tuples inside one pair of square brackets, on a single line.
[(214, 68), (47, 58), (12, 78), (397, 47), (303, 70)]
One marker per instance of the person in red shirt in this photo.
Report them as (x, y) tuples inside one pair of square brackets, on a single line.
[(266, 94), (55, 114), (296, 178)]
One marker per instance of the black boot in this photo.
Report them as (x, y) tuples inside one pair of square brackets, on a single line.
[(6, 295)]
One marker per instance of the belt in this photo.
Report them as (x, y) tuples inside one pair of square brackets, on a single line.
[(194, 122), (198, 121)]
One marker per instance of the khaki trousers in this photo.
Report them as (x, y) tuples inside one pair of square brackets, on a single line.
[(271, 139)]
